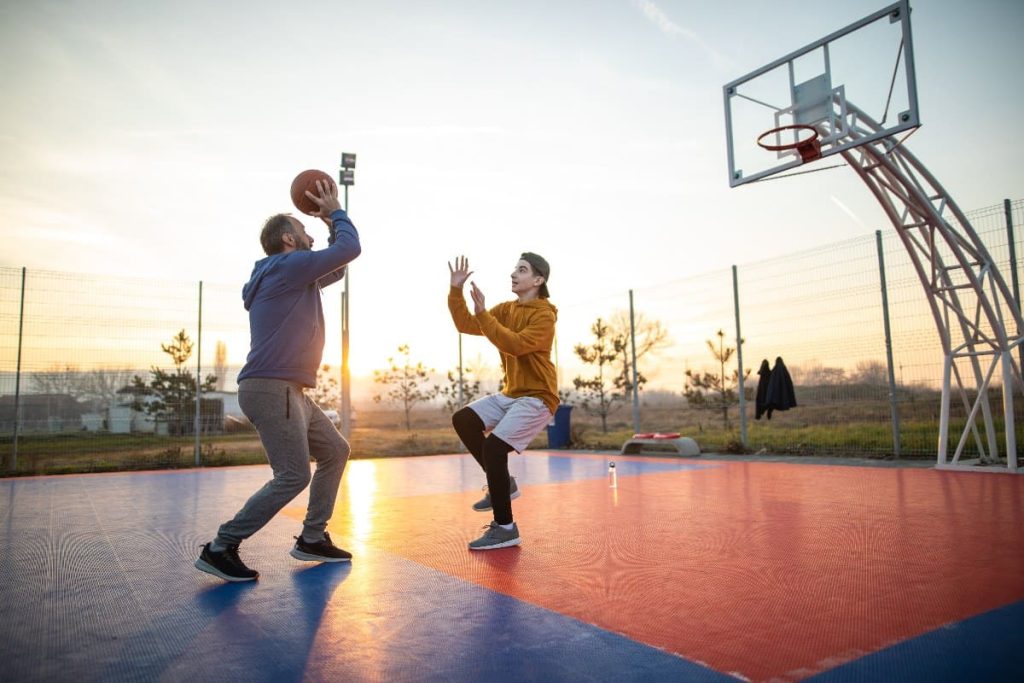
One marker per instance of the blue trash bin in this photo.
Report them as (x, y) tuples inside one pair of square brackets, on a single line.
[(559, 434)]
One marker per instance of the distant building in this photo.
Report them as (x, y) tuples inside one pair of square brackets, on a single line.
[(42, 413), (129, 415), (230, 401)]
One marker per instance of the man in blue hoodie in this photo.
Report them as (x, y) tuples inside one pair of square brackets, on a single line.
[(286, 324)]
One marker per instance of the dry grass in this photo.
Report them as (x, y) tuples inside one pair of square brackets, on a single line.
[(854, 428)]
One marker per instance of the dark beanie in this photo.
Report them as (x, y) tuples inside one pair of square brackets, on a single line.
[(541, 267)]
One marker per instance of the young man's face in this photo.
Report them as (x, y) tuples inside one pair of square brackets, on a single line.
[(524, 279), (300, 240)]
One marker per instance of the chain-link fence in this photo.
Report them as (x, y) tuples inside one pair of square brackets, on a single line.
[(101, 373), (820, 312)]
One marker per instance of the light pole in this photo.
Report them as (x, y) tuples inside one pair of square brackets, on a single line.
[(460, 373), (636, 373), (346, 177)]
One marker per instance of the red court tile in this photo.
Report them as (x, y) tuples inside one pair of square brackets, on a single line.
[(765, 570)]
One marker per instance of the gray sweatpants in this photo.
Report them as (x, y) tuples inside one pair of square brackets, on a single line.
[(292, 428)]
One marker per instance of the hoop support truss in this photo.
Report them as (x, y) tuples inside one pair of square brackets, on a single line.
[(978, 319)]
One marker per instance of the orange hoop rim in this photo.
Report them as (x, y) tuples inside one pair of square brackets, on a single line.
[(789, 145)]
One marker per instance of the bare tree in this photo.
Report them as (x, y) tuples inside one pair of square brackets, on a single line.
[(327, 392), (871, 372), (597, 395), (103, 384), (406, 383), (490, 376), (99, 387), (818, 375), (650, 338), (58, 379), (715, 391), (451, 394)]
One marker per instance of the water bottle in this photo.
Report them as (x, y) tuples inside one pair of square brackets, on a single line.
[(613, 480)]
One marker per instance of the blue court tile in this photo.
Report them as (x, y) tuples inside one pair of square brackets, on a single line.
[(97, 584), (992, 645)]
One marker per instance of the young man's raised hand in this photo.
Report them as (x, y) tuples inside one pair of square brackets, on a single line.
[(478, 298), (461, 272)]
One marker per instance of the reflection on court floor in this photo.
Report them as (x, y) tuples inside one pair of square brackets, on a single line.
[(687, 569)]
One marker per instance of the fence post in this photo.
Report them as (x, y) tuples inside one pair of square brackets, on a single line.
[(346, 376), (893, 400), (346, 391), (739, 358), (199, 376), (17, 376), (636, 375)]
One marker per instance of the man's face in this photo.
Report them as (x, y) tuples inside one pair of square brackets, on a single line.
[(523, 278), (300, 240)]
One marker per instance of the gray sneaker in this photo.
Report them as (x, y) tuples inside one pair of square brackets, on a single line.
[(484, 504), (495, 537)]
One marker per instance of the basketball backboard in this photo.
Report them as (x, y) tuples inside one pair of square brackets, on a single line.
[(853, 86)]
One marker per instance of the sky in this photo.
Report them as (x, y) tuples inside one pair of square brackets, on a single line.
[(152, 139)]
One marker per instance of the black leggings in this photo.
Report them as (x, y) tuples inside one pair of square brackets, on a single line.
[(491, 453)]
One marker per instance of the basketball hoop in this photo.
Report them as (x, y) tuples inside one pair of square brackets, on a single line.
[(809, 148)]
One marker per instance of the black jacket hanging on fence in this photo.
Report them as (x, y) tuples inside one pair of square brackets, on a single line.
[(764, 373), (780, 394)]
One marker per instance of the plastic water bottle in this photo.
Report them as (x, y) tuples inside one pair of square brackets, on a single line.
[(613, 480)]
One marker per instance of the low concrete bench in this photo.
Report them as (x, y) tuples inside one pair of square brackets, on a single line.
[(661, 443)]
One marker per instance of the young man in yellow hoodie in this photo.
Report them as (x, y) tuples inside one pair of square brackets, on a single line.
[(523, 331)]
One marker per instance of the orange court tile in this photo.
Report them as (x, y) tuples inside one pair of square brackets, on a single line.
[(761, 570)]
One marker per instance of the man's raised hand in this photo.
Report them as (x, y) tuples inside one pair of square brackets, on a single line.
[(326, 198)]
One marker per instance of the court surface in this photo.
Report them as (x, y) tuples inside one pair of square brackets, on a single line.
[(690, 569)]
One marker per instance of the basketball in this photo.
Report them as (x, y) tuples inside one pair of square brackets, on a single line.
[(307, 181)]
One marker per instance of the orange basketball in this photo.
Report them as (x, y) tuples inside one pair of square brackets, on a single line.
[(307, 181)]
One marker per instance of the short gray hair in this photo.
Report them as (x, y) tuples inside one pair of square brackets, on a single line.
[(271, 237)]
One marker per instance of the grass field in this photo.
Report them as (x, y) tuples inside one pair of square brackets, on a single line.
[(849, 428)]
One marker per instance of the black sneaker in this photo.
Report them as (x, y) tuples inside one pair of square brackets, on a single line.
[(225, 564), (321, 551)]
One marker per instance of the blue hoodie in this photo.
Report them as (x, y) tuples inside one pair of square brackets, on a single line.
[(286, 317)]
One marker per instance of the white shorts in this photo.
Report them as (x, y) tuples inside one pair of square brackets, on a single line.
[(513, 420)]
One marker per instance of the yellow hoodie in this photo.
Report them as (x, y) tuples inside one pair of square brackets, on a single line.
[(523, 334)]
